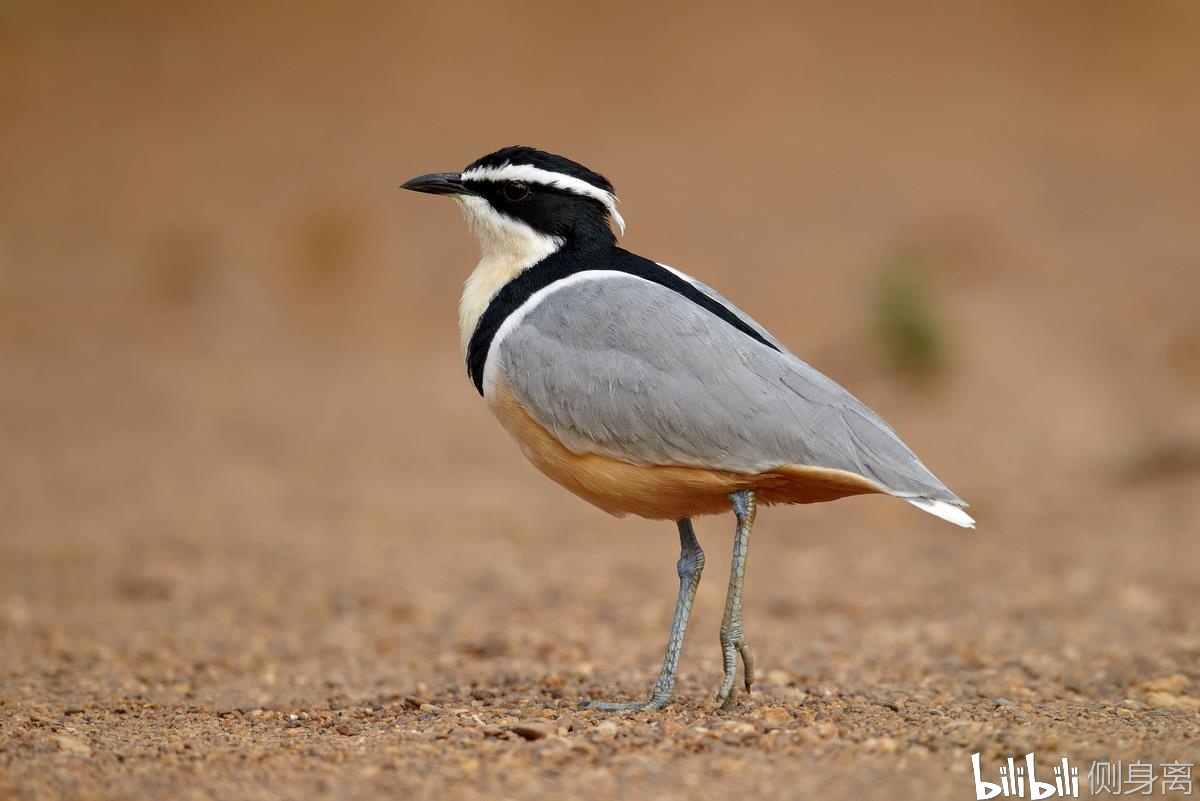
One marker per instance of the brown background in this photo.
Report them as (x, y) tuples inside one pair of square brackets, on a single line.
[(253, 515)]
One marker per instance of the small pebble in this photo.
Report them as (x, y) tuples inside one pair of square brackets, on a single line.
[(881, 745), (1166, 700), (605, 730), (774, 717), (780, 678), (71, 745), (1169, 684), (807, 737), (533, 729)]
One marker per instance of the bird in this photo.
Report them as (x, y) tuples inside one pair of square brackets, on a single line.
[(645, 391)]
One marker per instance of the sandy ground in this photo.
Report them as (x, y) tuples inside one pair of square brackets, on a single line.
[(260, 539)]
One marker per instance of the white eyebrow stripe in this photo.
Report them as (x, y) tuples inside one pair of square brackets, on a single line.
[(527, 172)]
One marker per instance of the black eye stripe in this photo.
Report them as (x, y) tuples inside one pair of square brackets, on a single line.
[(488, 186), (547, 207)]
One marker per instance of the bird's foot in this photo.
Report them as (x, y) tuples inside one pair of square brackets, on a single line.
[(654, 703), (732, 647)]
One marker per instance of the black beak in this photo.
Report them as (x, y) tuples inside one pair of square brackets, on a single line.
[(438, 183)]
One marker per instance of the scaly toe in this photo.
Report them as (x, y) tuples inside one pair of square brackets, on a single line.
[(603, 707), (651, 705), (747, 665), (725, 694)]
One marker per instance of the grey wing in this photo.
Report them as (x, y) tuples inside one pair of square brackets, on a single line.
[(632, 370)]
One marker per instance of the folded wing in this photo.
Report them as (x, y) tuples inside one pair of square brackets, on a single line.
[(630, 369)]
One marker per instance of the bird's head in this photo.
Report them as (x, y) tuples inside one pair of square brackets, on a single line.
[(521, 193)]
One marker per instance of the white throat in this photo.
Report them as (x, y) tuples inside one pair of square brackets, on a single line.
[(507, 247)]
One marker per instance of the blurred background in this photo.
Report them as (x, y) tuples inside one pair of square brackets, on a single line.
[(241, 463)]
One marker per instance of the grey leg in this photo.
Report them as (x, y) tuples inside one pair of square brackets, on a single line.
[(733, 640), (689, 567)]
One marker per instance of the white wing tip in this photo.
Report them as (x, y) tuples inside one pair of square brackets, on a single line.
[(946, 511)]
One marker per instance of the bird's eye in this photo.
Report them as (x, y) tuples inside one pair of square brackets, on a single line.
[(516, 190)]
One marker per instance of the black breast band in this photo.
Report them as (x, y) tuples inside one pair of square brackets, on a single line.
[(566, 262)]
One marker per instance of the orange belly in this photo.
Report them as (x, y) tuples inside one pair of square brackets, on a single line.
[(663, 492)]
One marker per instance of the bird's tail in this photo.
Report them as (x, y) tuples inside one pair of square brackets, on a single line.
[(947, 511)]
